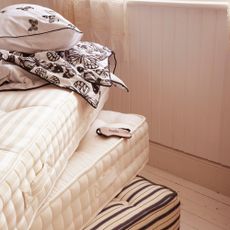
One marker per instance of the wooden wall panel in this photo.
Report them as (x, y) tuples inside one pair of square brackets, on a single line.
[(176, 72)]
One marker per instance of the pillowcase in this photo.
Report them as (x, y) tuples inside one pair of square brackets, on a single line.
[(84, 69), (31, 28), (13, 77)]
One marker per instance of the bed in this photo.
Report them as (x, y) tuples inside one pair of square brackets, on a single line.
[(40, 129), (98, 170), (51, 94)]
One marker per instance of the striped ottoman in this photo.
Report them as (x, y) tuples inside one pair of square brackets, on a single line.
[(140, 205)]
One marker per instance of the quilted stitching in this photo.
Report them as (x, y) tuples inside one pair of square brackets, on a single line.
[(34, 132), (74, 204)]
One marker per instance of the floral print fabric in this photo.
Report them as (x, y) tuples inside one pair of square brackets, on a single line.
[(84, 68)]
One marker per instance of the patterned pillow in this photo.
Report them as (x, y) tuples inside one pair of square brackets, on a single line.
[(84, 69), (31, 28)]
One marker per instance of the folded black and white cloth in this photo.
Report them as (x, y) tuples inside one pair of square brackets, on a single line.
[(13, 77), (85, 68)]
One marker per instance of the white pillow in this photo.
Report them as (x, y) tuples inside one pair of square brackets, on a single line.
[(31, 28)]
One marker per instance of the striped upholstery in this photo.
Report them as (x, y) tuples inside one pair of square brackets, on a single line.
[(140, 205)]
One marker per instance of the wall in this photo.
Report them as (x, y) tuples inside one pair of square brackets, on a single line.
[(225, 118), (177, 76)]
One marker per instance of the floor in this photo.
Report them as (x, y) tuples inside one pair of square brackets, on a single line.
[(201, 208)]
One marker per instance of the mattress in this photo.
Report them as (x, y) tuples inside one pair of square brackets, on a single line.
[(40, 130), (96, 172), (140, 205)]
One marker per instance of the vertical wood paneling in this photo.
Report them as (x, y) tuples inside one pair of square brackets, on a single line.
[(203, 145), (166, 106), (191, 92), (180, 56), (225, 126), (140, 60), (157, 47), (176, 71), (222, 95)]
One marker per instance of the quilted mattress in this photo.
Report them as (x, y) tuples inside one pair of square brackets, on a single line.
[(97, 171), (140, 205), (40, 130)]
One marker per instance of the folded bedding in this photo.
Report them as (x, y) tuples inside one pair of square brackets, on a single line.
[(40, 129), (31, 28), (84, 69), (43, 43)]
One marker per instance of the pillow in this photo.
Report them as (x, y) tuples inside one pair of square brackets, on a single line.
[(31, 28)]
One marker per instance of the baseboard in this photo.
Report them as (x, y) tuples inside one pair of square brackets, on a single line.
[(200, 171)]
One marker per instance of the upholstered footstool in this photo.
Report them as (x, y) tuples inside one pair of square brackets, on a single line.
[(140, 205)]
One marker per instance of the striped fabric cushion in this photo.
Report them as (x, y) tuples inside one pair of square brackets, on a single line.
[(140, 205)]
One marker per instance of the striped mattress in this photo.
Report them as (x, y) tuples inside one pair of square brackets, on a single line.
[(96, 172), (40, 130), (140, 205)]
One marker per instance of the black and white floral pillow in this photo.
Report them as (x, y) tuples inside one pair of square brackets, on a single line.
[(31, 28), (83, 68)]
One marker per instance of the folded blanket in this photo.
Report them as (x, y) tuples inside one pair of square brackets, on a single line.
[(13, 77), (83, 69)]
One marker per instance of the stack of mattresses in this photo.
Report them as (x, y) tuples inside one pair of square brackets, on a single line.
[(96, 172), (40, 130)]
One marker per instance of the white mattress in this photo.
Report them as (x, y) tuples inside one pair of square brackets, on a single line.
[(40, 129), (95, 173)]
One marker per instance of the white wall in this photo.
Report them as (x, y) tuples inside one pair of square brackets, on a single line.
[(177, 76), (225, 118)]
